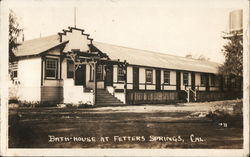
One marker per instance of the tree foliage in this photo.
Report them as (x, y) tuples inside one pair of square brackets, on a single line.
[(14, 32), (233, 52), (200, 57)]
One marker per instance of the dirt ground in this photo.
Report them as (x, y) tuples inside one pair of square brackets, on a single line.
[(185, 125)]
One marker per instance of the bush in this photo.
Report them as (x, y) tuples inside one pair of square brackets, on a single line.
[(80, 104), (15, 102)]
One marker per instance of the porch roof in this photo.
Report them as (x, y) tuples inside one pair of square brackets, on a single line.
[(155, 59)]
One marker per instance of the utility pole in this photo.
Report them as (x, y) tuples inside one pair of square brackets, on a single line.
[(75, 16)]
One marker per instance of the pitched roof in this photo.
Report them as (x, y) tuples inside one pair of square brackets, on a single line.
[(155, 59), (37, 46), (131, 55)]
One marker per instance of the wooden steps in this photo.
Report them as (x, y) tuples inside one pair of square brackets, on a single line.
[(104, 98)]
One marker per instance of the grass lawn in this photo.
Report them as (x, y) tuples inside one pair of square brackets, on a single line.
[(144, 126)]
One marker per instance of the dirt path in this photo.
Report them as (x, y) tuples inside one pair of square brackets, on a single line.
[(153, 126)]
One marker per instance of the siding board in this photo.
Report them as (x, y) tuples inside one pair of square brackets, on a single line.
[(52, 94)]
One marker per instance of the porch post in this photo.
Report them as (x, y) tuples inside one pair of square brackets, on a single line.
[(95, 84)]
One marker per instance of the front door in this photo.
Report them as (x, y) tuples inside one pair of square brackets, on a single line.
[(135, 78), (109, 76), (158, 79), (80, 75)]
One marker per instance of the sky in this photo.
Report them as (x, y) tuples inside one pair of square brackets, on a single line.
[(177, 27)]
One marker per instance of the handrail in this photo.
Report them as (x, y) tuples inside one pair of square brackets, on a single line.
[(195, 92), (187, 91)]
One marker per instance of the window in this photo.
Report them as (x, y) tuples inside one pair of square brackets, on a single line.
[(226, 81), (51, 69), (166, 77), (13, 69), (120, 76), (185, 78), (15, 73), (233, 82), (212, 80), (149, 76), (70, 69), (99, 73), (203, 80)]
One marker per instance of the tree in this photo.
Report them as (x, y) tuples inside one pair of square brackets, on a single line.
[(14, 32), (200, 57), (233, 52)]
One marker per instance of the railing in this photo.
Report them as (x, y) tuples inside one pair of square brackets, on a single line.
[(194, 94), (189, 91), (188, 96)]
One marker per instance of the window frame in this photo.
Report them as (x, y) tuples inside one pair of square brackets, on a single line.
[(120, 75), (183, 81), (203, 76), (99, 72), (46, 68), (15, 73), (151, 80), (91, 73), (213, 80), (233, 82), (68, 72), (164, 78)]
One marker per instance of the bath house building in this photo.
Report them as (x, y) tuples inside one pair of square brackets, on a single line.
[(70, 67)]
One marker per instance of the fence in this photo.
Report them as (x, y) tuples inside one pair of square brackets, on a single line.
[(151, 97)]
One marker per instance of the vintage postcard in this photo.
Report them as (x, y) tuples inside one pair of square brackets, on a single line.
[(125, 78)]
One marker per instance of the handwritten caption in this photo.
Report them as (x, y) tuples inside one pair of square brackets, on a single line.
[(57, 139)]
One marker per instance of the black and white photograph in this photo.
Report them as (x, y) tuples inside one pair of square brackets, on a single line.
[(125, 75)]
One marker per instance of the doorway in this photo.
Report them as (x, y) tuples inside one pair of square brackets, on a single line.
[(158, 79), (80, 75), (135, 78), (109, 76)]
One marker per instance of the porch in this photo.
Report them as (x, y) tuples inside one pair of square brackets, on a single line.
[(90, 79)]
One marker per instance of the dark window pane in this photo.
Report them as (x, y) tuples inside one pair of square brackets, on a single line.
[(70, 69), (121, 74), (149, 76), (185, 78), (212, 80), (14, 73), (99, 73), (50, 73), (203, 80), (167, 77)]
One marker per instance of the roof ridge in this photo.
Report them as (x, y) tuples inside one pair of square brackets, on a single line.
[(39, 38), (162, 53)]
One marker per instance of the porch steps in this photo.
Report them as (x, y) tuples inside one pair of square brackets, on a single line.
[(104, 98)]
